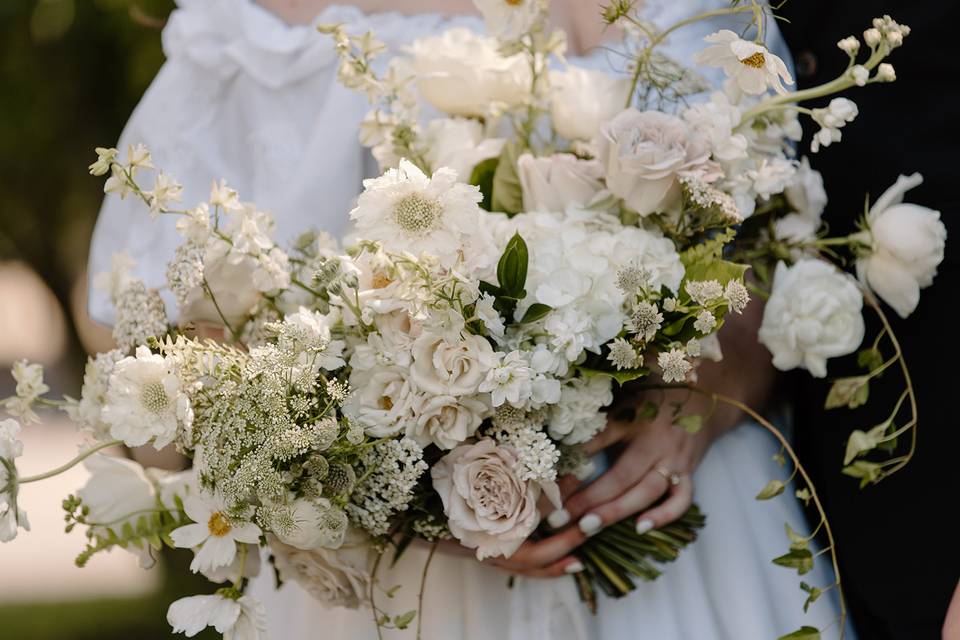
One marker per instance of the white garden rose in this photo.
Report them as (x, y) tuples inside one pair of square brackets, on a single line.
[(645, 152), (444, 420), (814, 313), (551, 183), (583, 100), (459, 144), (455, 368), (717, 120), (382, 402), (488, 507), (337, 578), (461, 73), (906, 246)]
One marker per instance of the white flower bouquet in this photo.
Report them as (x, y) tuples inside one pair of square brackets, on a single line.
[(553, 233)]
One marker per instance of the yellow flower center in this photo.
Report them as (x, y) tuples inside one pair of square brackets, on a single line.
[(416, 214), (386, 403), (756, 61), (514, 3), (380, 281), (218, 525)]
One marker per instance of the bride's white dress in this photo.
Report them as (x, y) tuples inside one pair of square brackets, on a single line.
[(246, 97)]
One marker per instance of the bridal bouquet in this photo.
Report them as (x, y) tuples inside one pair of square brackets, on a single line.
[(542, 233)]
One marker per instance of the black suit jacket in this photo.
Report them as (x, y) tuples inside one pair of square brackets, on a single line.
[(900, 559)]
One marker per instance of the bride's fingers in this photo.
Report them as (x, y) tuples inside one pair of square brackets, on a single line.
[(565, 566), (680, 499), (612, 434), (643, 494), (625, 473), (543, 553)]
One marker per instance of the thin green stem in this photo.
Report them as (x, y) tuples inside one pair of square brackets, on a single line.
[(423, 584), (72, 463)]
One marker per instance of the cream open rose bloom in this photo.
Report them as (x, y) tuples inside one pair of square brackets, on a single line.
[(454, 368), (488, 507), (645, 152), (551, 183), (444, 420), (337, 578)]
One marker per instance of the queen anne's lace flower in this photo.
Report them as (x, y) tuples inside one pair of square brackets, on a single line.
[(140, 314)]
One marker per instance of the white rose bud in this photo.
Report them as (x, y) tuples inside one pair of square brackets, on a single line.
[(886, 72), (860, 75), (872, 37), (895, 38), (906, 247), (850, 45), (814, 313)]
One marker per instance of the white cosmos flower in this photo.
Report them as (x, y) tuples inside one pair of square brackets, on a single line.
[(408, 211), (240, 619), (750, 65), (214, 531), (145, 401), (906, 246), (11, 517), (583, 100), (510, 19)]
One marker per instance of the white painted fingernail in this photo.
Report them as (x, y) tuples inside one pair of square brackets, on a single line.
[(644, 526), (574, 567), (585, 470), (558, 518), (590, 524)]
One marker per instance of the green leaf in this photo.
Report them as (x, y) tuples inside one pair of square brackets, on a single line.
[(813, 594), (803, 633), (403, 621), (512, 267), (772, 490), (848, 392), (482, 176), (804, 496), (507, 194), (799, 559), (692, 422), (535, 312), (867, 472), (870, 359), (797, 541), (861, 442), (621, 377)]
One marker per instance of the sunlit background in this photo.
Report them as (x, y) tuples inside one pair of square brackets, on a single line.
[(71, 72)]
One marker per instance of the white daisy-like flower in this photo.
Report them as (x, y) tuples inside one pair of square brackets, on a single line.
[(406, 210), (736, 296), (674, 364), (214, 533), (145, 401), (623, 355), (510, 380), (243, 618), (750, 65), (510, 19), (705, 322)]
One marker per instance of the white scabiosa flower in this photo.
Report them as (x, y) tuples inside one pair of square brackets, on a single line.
[(12, 517), (214, 533), (814, 313), (906, 246), (243, 618), (750, 65), (408, 211), (145, 401)]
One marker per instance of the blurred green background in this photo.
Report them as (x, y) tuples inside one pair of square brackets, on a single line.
[(71, 72)]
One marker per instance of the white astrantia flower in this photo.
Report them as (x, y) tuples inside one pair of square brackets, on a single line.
[(832, 118), (510, 19), (243, 618), (623, 355), (464, 74), (214, 532), (674, 365), (750, 65), (736, 295), (813, 313), (704, 292), (705, 322), (145, 401), (645, 153), (906, 245), (646, 320), (408, 211), (552, 183), (459, 144), (583, 100), (12, 517)]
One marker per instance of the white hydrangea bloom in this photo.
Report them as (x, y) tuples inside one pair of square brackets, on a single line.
[(577, 417)]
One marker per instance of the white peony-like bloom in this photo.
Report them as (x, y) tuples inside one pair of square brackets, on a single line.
[(488, 507), (214, 532), (906, 246), (583, 100), (12, 517), (444, 420), (455, 368), (578, 415), (814, 313), (459, 144), (316, 524), (145, 401), (644, 154), (340, 578), (552, 183), (750, 65), (510, 19), (462, 73), (406, 210), (243, 618)]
